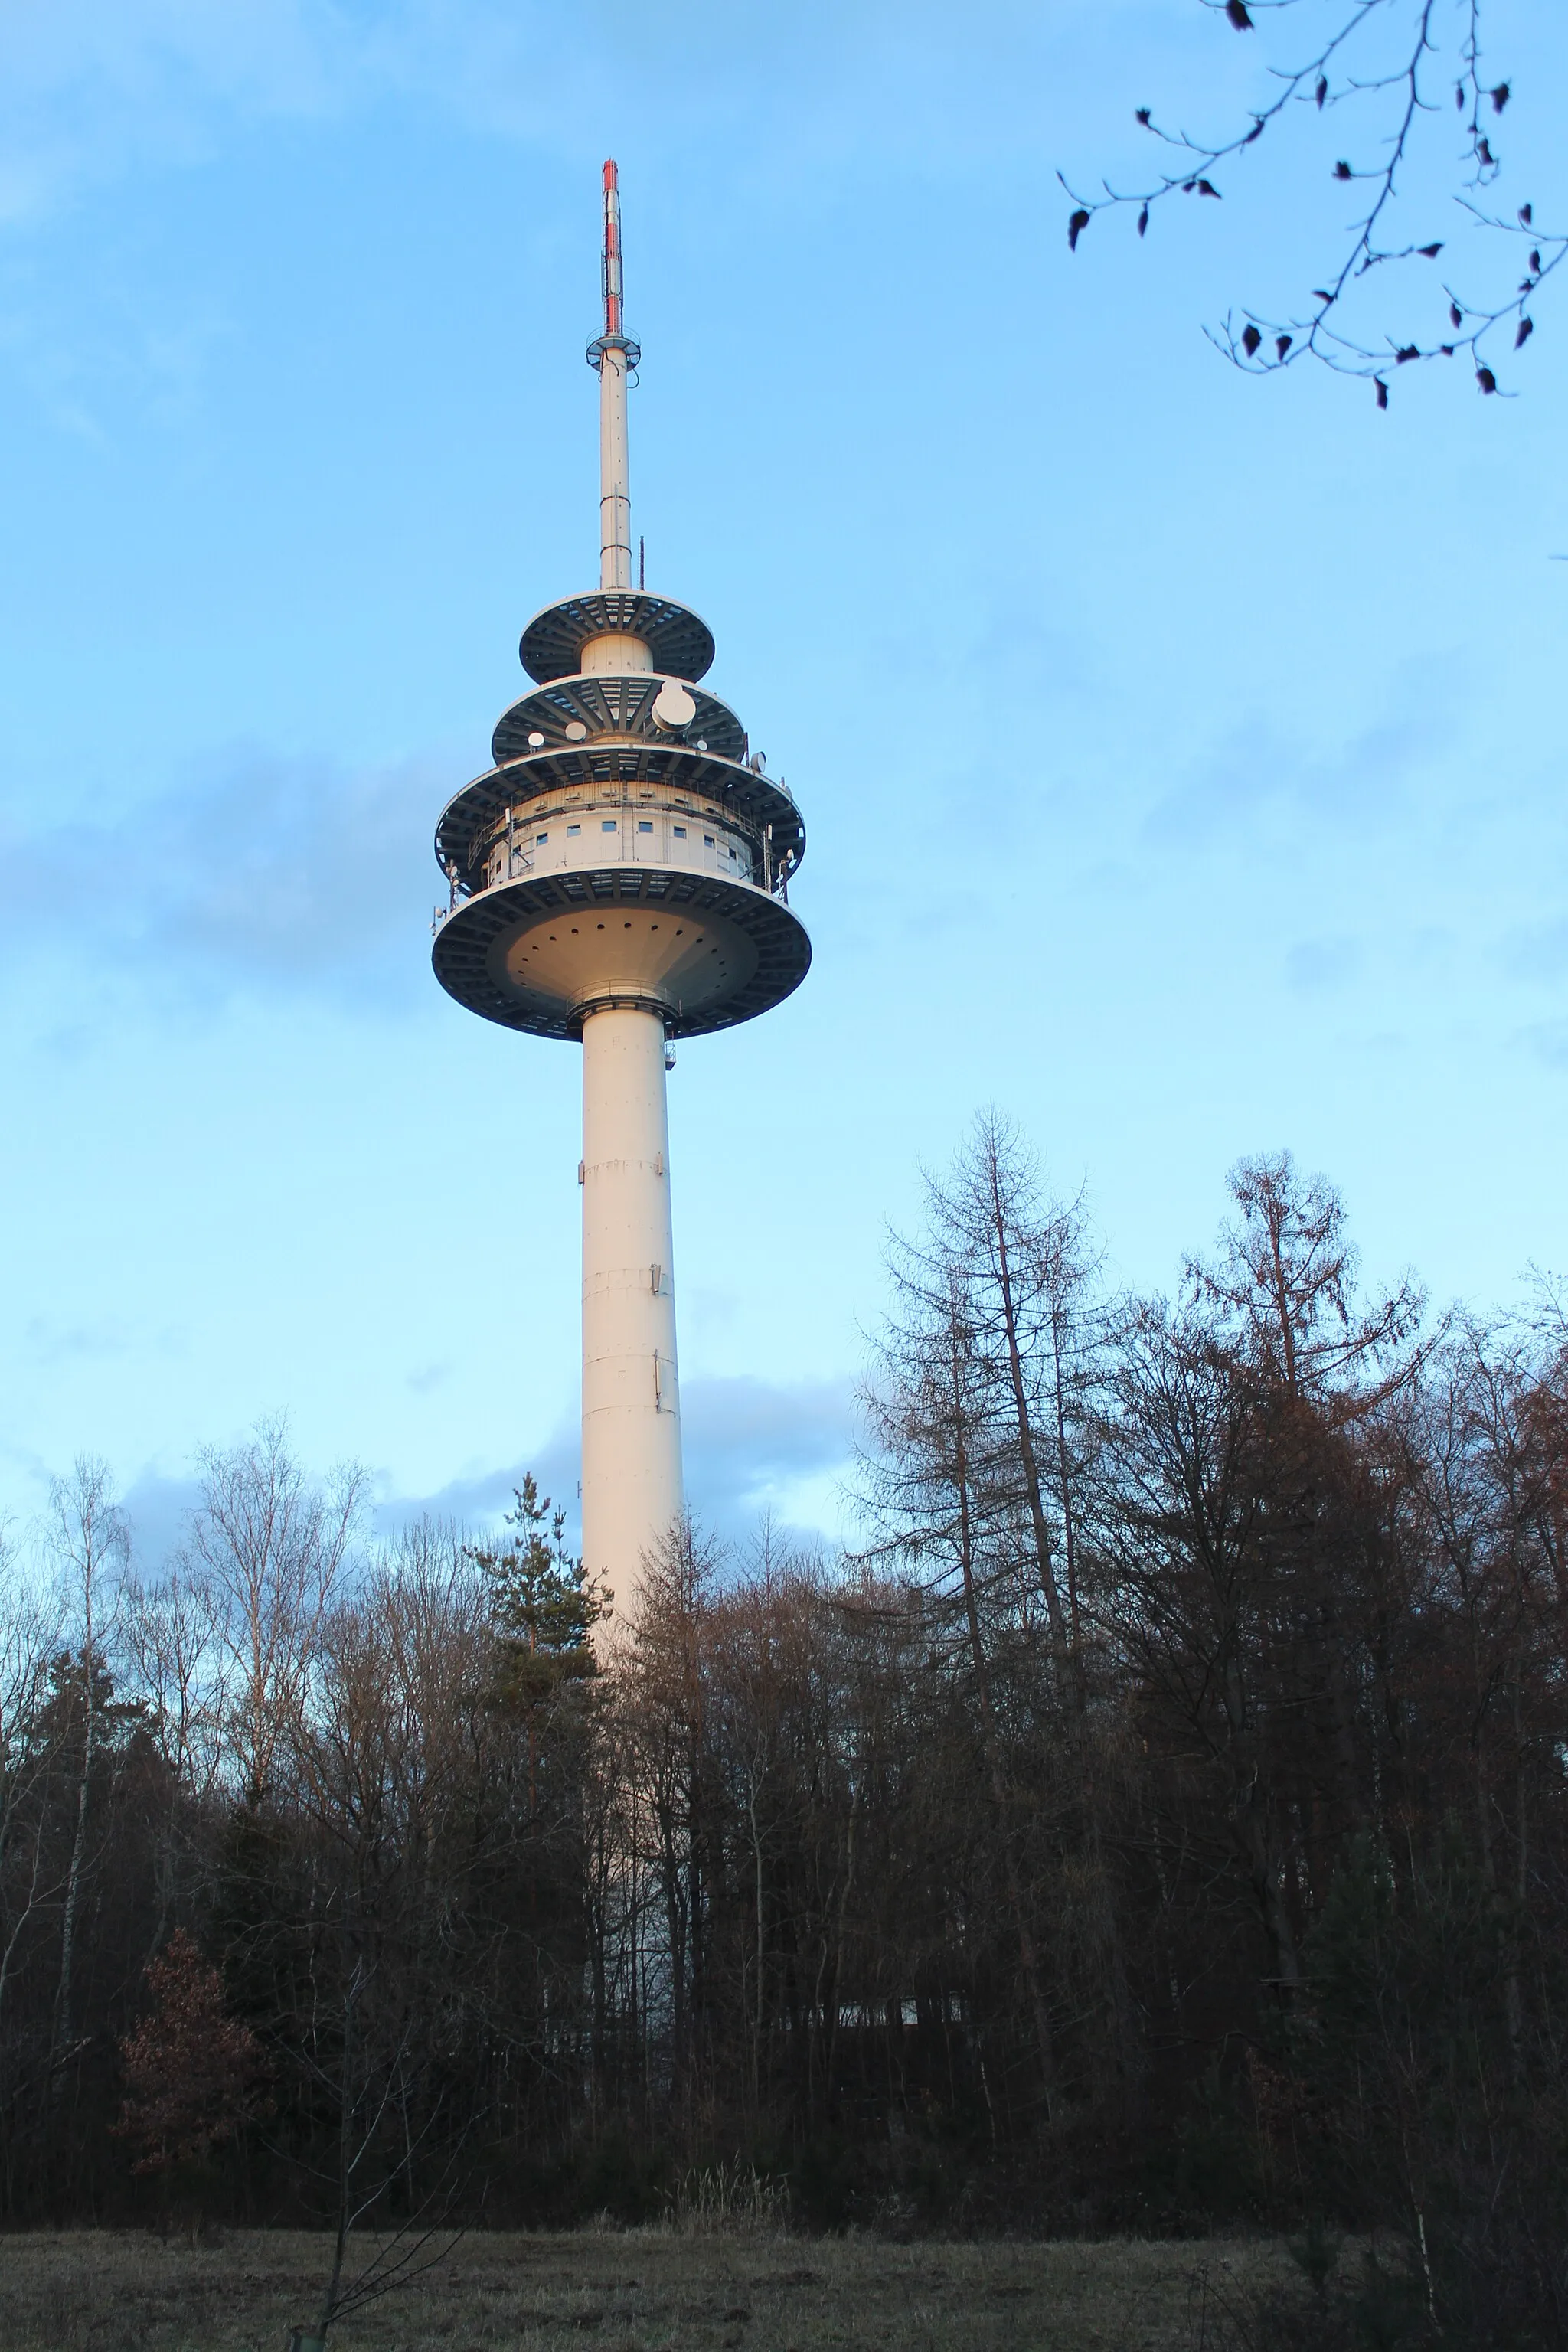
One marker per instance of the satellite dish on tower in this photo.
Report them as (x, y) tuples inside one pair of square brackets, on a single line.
[(673, 707)]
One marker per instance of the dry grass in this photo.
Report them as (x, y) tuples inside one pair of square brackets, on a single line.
[(102, 2291)]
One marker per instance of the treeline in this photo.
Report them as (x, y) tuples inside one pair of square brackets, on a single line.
[(1162, 1820)]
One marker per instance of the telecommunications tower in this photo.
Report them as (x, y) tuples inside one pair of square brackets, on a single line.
[(620, 876)]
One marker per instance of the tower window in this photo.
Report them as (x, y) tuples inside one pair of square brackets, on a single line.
[(645, 824), (607, 824), (679, 832), (572, 829), (540, 839), (707, 841)]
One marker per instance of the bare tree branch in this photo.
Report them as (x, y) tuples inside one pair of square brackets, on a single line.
[(1400, 104)]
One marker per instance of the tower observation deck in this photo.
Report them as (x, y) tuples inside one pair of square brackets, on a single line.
[(620, 876)]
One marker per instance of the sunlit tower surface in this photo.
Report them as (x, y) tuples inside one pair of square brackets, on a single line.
[(620, 878)]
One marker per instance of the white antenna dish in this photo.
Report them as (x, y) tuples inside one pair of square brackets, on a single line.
[(673, 707), (536, 741), (576, 733)]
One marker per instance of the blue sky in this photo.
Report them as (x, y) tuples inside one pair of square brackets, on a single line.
[(1182, 757)]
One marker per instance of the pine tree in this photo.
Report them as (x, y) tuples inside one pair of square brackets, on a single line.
[(543, 1607)]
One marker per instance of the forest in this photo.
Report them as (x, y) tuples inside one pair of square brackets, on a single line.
[(1158, 1822)]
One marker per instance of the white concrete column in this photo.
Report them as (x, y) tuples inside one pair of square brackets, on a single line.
[(614, 654), (614, 488), (631, 1489)]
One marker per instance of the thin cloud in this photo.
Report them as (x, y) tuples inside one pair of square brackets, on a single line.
[(1537, 951), (1548, 1041), (1257, 768), (92, 87), (264, 874), (1313, 967), (751, 1446), (159, 1510)]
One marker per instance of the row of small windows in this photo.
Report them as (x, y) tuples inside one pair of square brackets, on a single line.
[(499, 863), (608, 824)]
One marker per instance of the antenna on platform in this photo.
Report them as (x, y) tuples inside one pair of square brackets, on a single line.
[(614, 354)]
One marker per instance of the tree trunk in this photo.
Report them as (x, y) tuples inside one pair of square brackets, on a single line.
[(1028, 1957)]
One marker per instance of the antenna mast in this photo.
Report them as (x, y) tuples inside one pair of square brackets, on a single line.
[(614, 355)]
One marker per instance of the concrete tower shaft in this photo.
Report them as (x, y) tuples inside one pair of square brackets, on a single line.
[(621, 877), (631, 1489)]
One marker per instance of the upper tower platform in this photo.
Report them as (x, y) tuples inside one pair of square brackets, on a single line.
[(627, 848), (676, 641)]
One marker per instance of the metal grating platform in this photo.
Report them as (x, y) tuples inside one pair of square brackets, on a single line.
[(463, 943), (681, 645), (612, 706)]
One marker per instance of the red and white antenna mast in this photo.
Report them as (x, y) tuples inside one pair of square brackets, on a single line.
[(611, 273), (613, 356)]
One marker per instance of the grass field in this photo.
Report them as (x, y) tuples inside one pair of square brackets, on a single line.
[(104, 2291)]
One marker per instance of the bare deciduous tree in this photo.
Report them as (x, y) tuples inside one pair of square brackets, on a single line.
[(271, 1546), (1282, 1290), (91, 1546), (30, 1636)]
